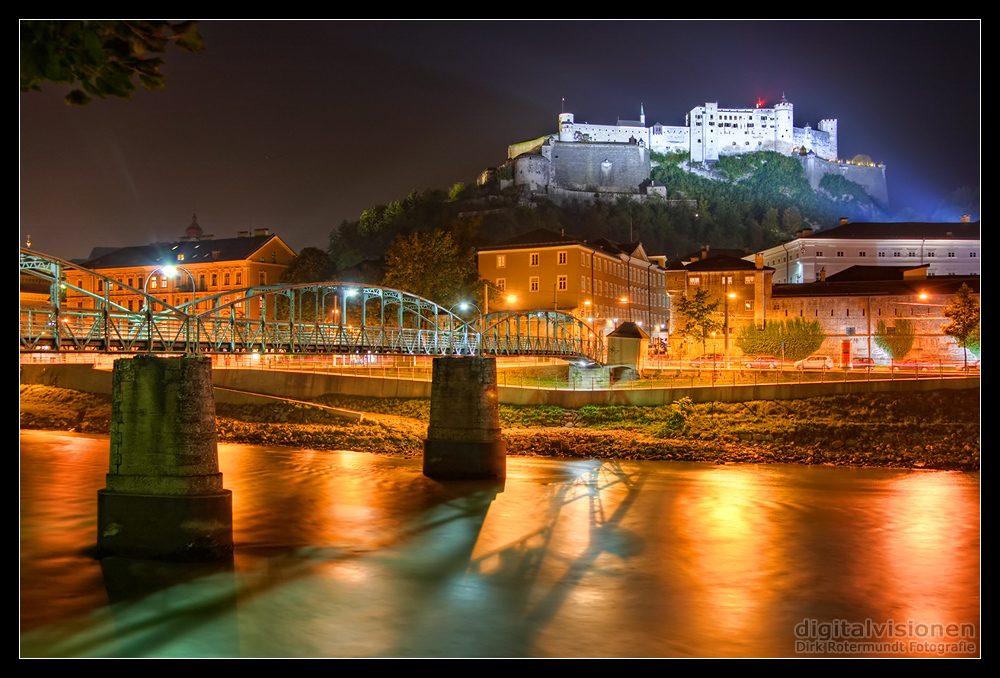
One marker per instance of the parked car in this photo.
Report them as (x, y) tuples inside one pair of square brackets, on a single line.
[(912, 365), (815, 362), (862, 363), (709, 360), (761, 362)]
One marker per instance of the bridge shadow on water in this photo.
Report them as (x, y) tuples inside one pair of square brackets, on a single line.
[(436, 574)]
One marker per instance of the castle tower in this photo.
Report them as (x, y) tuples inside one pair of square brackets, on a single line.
[(703, 140), (642, 116), (566, 127), (830, 127), (784, 126)]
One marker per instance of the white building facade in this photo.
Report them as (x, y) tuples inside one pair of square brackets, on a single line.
[(946, 249)]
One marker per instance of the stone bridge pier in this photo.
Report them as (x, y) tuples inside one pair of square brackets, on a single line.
[(164, 496), (463, 439)]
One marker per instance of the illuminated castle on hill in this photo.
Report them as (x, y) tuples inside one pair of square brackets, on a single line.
[(614, 159)]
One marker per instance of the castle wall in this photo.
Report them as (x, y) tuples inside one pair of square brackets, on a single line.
[(818, 142), (532, 172), (872, 179), (663, 139), (599, 167)]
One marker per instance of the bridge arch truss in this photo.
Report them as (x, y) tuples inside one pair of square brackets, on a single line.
[(331, 317)]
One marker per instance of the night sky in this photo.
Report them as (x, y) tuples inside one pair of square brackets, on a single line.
[(296, 126)]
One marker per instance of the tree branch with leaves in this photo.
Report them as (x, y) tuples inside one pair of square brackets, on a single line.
[(963, 312), (100, 58), (698, 316)]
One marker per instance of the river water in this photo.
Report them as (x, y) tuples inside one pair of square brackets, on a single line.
[(346, 554)]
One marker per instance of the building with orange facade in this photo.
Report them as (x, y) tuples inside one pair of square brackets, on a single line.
[(602, 282), (195, 267)]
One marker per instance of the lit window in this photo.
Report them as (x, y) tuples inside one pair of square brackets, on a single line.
[(695, 280), (501, 261), (502, 284), (748, 280)]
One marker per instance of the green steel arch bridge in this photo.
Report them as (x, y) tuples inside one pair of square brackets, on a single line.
[(312, 318)]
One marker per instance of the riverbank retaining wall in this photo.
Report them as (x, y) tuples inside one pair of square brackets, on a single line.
[(307, 385)]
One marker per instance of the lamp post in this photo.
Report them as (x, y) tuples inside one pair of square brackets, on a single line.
[(730, 295), (169, 271), (463, 305)]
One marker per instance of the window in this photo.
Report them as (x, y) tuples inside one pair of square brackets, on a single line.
[(862, 254), (583, 283), (502, 284), (727, 280), (849, 331), (972, 254), (153, 282), (501, 261), (562, 258), (180, 257), (819, 253), (951, 254), (533, 284), (695, 280), (225, 279), (239, 278), (881, 253), (100, 285), (533, 259), (563, 283), (930, 254), (897, 253), (748, 280), (262, 278), (274, 257), (748, 305), (215, 280), (840, 254)]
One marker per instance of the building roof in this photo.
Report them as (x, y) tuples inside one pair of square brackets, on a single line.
[(540, 237), (866, 288), (629, 330), (194, 251), (543, 237), (858, 273), (907, 230), (723, 262)]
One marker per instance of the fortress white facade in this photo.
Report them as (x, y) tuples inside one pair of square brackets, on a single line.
[(711, 131)]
